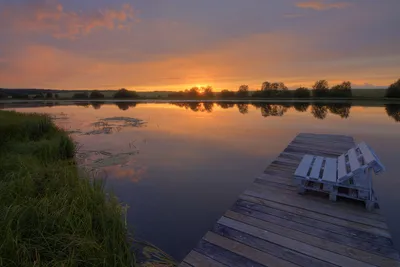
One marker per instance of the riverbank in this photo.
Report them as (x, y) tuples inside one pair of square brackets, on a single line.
[(50, 214)]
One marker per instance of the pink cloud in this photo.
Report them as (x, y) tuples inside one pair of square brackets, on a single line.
[(49, 16), (322, 5)]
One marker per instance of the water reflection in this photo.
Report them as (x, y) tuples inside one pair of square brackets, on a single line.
[(96, 105), (318, 110), (301, 107), (125, 105), (243, 108), (393, 110)]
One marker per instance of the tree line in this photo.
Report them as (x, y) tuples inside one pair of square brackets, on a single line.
[(320, 89)]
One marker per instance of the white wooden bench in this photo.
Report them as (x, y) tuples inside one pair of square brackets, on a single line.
[(348, 176)]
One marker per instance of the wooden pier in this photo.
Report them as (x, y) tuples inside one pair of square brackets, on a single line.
[(272, 225)]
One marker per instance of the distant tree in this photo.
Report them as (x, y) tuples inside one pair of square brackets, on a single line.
[(96, 95), (123, 93), (193, 92), (20, 96), (3, 95), (243, 108), (393, 111), (82, 95), (243, 91), (321, 88), (394, 90), (38, 96), (208, 92), (302, 92), (276, 89), (341, 90), (227, 94), (56, 96), (49, 95)]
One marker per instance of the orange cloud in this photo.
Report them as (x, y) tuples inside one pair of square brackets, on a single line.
[(49, 16), (321, 5)]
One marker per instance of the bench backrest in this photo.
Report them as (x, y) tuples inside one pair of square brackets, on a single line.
[(356, 160)]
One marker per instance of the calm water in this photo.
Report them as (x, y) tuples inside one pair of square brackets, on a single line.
[(192, 160)]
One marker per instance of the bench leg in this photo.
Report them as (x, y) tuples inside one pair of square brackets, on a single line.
[(333, 194), (369, 205)]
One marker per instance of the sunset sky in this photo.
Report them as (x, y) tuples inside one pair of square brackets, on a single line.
[(176, 44)]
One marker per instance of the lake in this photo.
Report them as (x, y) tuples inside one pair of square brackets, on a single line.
[(181, 165)]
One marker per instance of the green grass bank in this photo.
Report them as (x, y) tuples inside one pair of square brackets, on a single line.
[(51, 214)]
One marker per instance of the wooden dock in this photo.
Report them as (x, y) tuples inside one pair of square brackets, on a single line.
[(272, 225)]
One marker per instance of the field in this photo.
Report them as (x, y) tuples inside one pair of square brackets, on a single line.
[(51, 214)]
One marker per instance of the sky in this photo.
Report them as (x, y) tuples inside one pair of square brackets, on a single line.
[(176, 44)]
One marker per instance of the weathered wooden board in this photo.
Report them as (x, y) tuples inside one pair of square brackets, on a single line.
[(271, 225)]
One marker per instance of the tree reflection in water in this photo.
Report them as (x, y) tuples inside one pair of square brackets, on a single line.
[(125, 105), (341, 109), (208, 106), (319, 111), (393, 111), (243, 108), (301, 106), (226, 105), (96, 104)]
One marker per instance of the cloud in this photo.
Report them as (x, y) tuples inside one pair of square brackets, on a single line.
[(322, 5), (50, 16)]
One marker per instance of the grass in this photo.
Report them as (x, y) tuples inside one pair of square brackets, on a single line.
[(50, 213)]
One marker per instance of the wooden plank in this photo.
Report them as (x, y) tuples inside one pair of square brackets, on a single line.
[(196, 259), (250, 240), (330, 170), (353, 161), (366, 152), (351, 232), (342, 249), (304, 166), (184, 264), (271, 225), (342, 171), (246, 251), (293, 244), (361, 244), (224, 256), (325, 207), (316, 168), (318, 216)]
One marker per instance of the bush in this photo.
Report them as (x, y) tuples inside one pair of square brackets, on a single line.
[(96, 95), (341, 90), (302, 92), (3, 95), (123, 93), (394, 90), (83, 95), (49, 95), (227, 94)]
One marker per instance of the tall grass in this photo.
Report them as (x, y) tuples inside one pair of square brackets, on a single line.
[(49, 214)]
